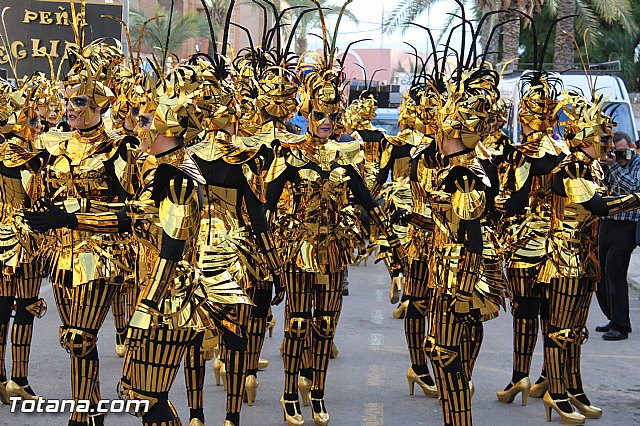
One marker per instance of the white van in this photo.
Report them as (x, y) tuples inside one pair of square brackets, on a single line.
[(611, 86)]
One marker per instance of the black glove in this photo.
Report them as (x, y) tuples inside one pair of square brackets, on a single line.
[(49, 216), (279, 290)]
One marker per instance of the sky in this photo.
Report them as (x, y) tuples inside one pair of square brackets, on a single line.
[(370, 15)]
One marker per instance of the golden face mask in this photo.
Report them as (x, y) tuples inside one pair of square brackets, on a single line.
[(93, 74)]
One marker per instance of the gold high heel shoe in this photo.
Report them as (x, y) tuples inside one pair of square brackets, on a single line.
[(217, 366), (571, 418), (271, 323), (120, 348), (263, 364), (251, 387), (334, 351), (589, 411), (4, 397), (395, 289), (304, 386), (14, 389), (321, 418), (413, 378), (507, 396), (223, 375), (400, 311), (226, 423), (198, 422), (296, 419), (539, 389)]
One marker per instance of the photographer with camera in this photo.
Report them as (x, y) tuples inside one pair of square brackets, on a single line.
[(617, 234)]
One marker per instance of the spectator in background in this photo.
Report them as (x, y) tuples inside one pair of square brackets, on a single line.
[(617, 236)]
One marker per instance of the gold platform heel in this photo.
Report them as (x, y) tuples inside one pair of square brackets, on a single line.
[(395, 289), (198, 422), (263, 364), (271, 323), (508, 395), (571, 418), (251, 387), (589, 411), (304, 386), (296, 419), (320, 418), (539, 389), (334, 351), (217, 366), (14, 389), (4, 396), (227, 423), (413, 378), (223, 374)]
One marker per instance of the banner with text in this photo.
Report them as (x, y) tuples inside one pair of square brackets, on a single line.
[(37, 28)]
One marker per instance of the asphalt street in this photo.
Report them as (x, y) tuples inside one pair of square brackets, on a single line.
[(366, 383)]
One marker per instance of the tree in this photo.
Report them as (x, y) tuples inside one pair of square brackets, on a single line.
[(183, 28), (312, 20)]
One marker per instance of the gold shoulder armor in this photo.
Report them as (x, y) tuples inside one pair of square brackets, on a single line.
[(467, 201), (468, 205), (179, 212), (576, 183)]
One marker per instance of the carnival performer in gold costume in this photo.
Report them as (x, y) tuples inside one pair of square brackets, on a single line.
[(525, 184), (460, 298), (425, 163), (20, 185), (315, 231), (175, 302), (571, 271), (87, 169)]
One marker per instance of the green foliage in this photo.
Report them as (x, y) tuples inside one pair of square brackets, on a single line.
[(608, 40), (183, 28)]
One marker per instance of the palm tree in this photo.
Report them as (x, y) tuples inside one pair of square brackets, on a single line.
[(591, 15), (311, 20), (183, 28)]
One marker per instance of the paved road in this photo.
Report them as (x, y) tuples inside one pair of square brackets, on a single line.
[(366, 383)]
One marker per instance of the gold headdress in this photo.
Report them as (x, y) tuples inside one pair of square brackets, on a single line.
[(539, 89), (323, 81), (472, 93), (586, 120)]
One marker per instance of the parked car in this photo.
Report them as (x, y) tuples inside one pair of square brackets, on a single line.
[(387, 120), (611, 86)]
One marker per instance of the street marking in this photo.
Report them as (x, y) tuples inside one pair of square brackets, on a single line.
[(374, 375), (376, 341), (377, 317), (373, 414), (379, 295)]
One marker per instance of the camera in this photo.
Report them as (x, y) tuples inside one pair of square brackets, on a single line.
[(623, 154)]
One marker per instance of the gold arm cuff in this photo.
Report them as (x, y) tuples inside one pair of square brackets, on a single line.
[(624, 204), (97, 222), (579, 189), (180, 221)]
